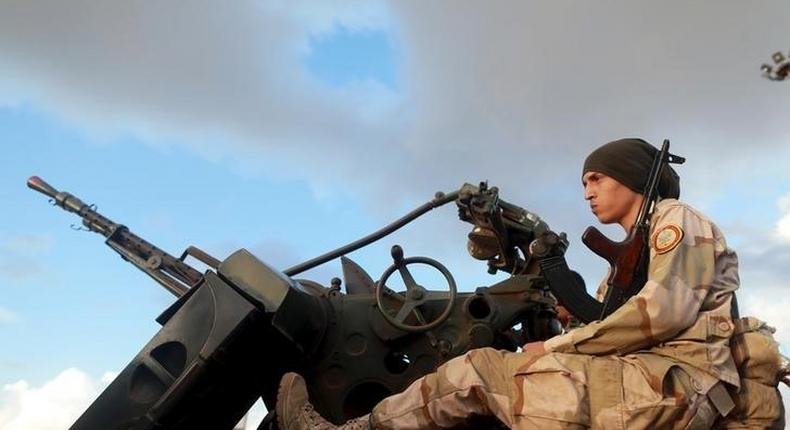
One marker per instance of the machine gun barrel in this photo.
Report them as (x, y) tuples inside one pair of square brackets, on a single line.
[(171, 272)]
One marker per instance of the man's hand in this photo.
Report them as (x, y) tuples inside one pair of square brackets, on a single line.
[(534, 348), (563, 315)]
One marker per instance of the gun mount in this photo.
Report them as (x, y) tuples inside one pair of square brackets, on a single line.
[(236, 328)]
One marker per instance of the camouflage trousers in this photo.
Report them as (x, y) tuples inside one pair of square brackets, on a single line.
[(551, 391)]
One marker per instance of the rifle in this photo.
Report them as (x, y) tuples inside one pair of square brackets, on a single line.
[(629, 259), (171, 272)]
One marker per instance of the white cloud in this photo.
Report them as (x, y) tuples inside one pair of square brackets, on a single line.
[(7, 316), (516, 92), (764, 262), (770, 305), (108, 377), (55, 405), (192, 71), (59, 402), (783, 225)]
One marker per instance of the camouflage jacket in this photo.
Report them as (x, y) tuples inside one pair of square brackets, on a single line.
[(682, 316)]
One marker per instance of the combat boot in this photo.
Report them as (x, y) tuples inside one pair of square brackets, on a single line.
[(294, 411)]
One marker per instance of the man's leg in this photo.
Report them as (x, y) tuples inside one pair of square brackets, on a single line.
[(552, 391), (523, 391), (476, 383)]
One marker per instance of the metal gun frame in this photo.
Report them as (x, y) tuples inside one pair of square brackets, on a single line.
[(236, 328)]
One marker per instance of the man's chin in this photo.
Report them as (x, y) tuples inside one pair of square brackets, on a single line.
[(604, 220)]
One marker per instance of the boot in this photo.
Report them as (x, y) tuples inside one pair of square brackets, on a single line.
[(294, 411)]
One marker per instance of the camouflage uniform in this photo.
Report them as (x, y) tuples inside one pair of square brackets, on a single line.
[(651, 364)]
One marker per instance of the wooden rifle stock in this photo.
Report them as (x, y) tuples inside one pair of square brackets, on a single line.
[(628, 260), (624, 257)]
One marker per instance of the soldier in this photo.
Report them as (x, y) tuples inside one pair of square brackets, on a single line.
[(662, 360)]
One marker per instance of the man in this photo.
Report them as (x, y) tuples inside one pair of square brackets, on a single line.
[(662, 360)]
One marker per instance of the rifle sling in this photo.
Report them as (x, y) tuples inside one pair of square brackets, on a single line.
[(734, 311)]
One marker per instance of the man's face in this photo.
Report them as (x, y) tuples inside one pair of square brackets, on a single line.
[(611, 201)]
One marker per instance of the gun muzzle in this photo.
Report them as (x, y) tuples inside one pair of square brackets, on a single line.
[(61, 198), (41, 186)]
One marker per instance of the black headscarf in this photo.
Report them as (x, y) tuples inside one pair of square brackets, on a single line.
[(629, 161)]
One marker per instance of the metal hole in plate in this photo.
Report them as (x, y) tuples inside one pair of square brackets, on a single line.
[(361, 399), (478, 308)]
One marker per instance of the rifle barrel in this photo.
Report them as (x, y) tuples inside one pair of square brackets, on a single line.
[(171, 272)]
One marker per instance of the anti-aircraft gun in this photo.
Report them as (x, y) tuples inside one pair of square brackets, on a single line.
[(236, 328)]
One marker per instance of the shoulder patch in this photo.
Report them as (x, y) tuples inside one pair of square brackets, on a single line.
[(667, 238)]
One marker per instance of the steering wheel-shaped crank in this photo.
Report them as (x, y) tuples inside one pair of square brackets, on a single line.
[(416, 295)]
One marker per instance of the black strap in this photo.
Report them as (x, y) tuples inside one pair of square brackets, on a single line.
[(734, 312)]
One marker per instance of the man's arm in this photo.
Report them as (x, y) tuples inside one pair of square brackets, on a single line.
[(681, 271)]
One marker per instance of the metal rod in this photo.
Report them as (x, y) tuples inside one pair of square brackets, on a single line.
[(440, 200)]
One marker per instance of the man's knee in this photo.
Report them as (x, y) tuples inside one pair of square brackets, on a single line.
[(484, 366)]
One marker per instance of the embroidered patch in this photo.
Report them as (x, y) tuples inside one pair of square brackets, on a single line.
[(667, 238)]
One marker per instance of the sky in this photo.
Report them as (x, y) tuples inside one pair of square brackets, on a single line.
[(291, 128)]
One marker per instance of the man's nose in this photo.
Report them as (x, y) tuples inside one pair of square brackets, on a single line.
[(588, 193)]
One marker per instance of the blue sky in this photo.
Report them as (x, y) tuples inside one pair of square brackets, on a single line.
[(344, 56), (290, 130)]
